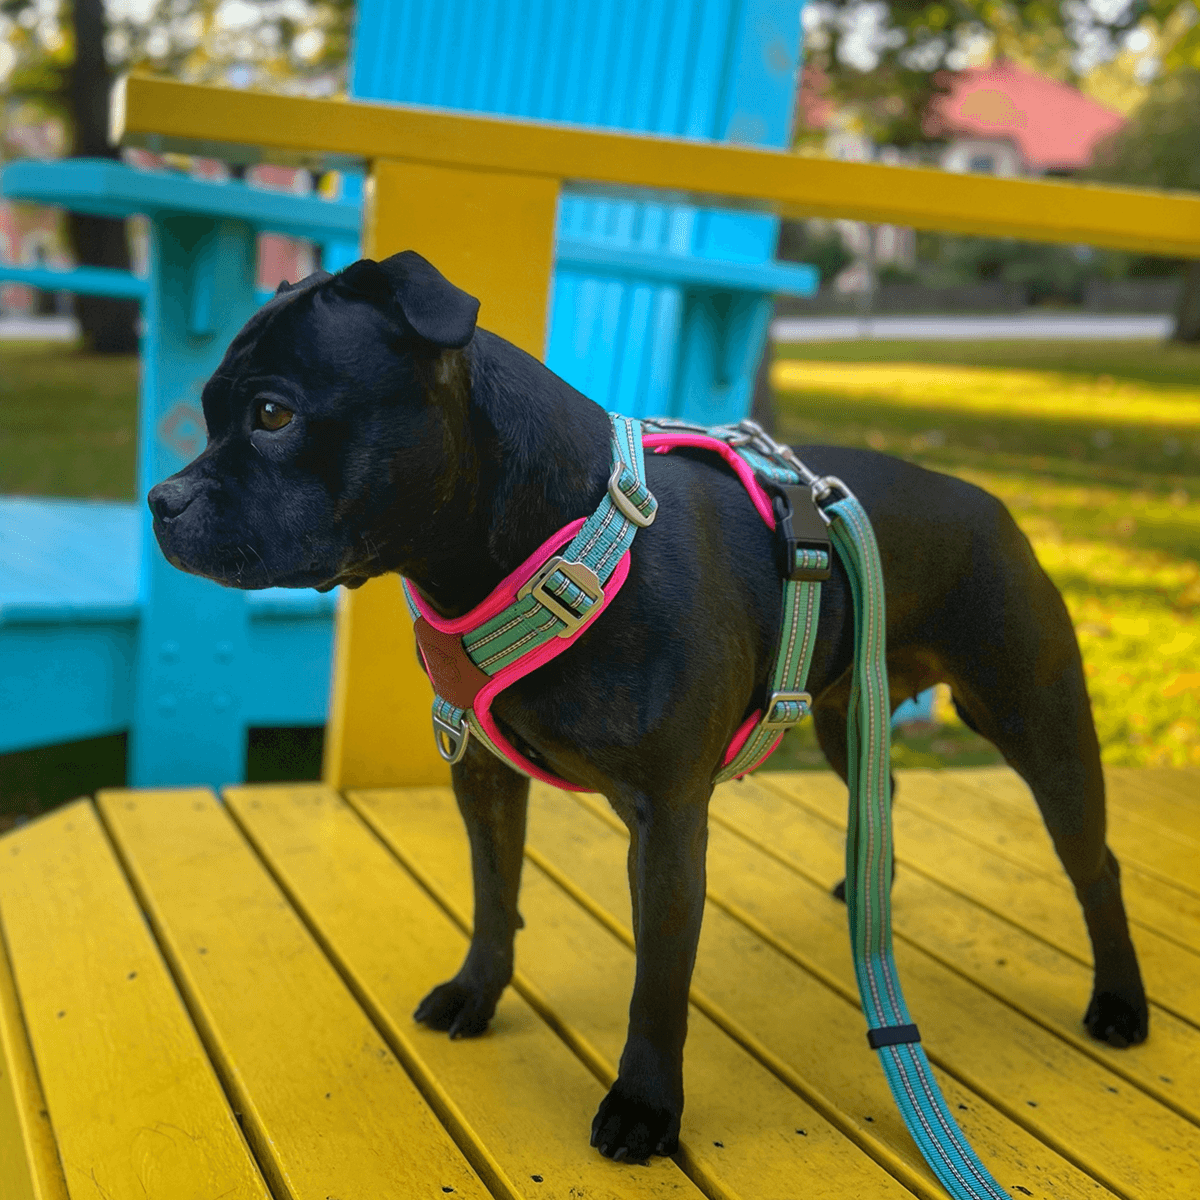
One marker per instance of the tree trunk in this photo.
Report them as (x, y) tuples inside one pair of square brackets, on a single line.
[(1187, 307), (109, 325)]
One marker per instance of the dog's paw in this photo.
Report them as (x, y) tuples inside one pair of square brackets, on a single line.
[(629, 1128), (456, 1008), (1120, 1021)]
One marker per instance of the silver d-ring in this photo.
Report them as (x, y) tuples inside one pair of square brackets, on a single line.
[(451, 742)]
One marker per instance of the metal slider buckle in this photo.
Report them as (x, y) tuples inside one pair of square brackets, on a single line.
[(622, 502), (451, 742), (583, 577), (803, 699)]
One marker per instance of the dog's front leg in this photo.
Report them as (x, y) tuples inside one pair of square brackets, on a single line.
[(493, 800), (641, 1113)]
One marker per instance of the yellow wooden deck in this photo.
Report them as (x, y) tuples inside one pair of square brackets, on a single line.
[(207, 1001)]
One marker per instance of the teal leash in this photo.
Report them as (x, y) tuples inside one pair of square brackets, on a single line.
[(891, 1031)]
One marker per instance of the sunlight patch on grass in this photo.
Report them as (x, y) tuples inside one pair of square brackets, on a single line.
[(1101, 400), (1101, 470)]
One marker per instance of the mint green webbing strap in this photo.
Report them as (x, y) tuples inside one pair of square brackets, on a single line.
[(869, 874), (787, 703)]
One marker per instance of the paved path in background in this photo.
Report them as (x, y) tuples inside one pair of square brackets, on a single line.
[(38, 329), (1065, 326), (816, 329)]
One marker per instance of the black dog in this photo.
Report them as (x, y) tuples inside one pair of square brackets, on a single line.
[(360, 423)]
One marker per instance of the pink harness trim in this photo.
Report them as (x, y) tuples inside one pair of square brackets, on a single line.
[(505, 594)]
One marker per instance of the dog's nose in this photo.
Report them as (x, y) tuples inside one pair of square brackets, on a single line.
[(169, 498)]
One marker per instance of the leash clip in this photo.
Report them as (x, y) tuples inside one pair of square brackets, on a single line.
[(582, 576), (450, 740)]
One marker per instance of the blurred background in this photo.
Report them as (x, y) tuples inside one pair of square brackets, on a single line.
[(1064, 379)]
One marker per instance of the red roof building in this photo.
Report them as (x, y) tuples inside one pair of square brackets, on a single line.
[(1048, 126)]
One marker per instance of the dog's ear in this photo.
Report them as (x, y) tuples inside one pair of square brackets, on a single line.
[(284, 286), (430, 304)]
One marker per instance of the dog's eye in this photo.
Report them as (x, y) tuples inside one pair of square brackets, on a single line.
[(272, 416)]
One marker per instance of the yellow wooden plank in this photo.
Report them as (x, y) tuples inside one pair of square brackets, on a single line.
[(29, 1166), (1044, 906), (324, 1102), (494, 237), (997, 808), (1011, 828), (521, 1099), (1168, 799), (159, 114), (1113, 1131), (1051, 1091), (1046, 985), (1162, 851), (589, 983), (133, 1101)]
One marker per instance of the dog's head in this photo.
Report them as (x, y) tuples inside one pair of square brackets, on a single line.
[(329, 431)]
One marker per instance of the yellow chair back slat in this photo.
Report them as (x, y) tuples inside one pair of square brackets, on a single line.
[(477, 196)]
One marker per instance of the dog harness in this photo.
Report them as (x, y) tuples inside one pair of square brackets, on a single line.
[(547, 603)]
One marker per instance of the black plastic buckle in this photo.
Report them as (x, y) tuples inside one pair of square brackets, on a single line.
[(800, 525)]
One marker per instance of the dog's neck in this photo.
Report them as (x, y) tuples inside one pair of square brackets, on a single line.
[(533, 454)]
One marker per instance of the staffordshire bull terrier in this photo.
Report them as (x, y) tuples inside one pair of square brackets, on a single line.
[(361, 423)]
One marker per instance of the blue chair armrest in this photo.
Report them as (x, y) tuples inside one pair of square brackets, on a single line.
[(89, 281), (112, 189), (767, 278)]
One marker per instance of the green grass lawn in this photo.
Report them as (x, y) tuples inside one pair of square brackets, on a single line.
[(1094, 447), (68, 422)]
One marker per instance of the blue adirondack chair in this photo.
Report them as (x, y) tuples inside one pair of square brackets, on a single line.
[(657, 309), (97, 632)]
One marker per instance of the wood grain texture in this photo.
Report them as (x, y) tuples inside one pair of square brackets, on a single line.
[(740, 1127), (1047, 985), (519, 1101), (763, 990), (133, 1100), (29, 1166), (324, 1102)]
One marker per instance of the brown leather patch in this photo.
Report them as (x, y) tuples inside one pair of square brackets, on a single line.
[(455, 677)]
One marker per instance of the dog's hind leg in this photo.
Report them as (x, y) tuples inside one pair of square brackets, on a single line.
[(1034, 708), (641, 1113), (493, 800)]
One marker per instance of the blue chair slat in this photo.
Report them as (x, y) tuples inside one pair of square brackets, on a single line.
[(88, 281), (643, 334)]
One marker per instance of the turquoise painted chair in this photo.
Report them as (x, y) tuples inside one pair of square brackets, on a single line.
[(98, 634), (657, 309)]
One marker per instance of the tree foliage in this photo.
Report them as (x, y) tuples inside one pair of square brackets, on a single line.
[(889, 60), (1158, 146)]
